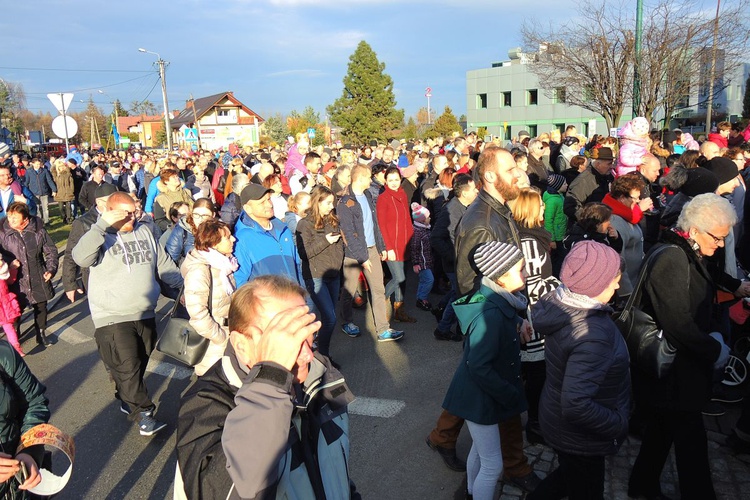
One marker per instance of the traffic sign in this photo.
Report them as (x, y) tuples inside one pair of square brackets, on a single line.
[(428, 92), (191, 135), (311, 133), (59, 127), (61, 101)]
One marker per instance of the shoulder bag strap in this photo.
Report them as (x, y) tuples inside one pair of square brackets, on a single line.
[(182, 292), (635, 297)]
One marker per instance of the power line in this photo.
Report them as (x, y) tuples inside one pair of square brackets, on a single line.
[(97, 87), (78, 70)]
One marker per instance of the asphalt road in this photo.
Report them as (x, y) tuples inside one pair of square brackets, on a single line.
[(400, 386)]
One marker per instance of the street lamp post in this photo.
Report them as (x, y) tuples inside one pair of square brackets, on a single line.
[(162, 64)]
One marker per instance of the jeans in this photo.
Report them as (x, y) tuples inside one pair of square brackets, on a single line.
[(426, 279), (44, 207), (325, 294), (448, 315), (374, 277), (484, 466), (577, 477), (398, 278), (125, 349), (515, 463)]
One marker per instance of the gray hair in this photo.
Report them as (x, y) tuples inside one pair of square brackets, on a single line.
[(239, 181), (705, 212)]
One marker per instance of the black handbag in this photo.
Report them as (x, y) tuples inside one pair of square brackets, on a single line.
[(179, 340), (650, 352)]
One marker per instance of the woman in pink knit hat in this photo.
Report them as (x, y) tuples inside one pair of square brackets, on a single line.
[(585, 403)]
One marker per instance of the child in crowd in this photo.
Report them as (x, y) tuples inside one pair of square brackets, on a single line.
[(421, 254), (9, 309), (555, 220), (486, 388)]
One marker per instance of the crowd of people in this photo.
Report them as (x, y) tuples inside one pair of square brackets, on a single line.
[(522, 251)]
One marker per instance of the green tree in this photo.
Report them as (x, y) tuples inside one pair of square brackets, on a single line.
[(746, 101), (446, 124), (410, 131), (367, 106), (118, 109), (481, 133), (275, 129)]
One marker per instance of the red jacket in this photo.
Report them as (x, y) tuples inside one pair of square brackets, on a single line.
[(394, 220), (718, 139)]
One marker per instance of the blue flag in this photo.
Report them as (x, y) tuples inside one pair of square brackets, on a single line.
[(116, 134)]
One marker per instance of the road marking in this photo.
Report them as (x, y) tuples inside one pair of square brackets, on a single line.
[(69, 334), (169, 370), (376, 407)]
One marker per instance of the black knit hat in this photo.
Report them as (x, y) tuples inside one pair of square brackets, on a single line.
[(699, 181), (723, 168)]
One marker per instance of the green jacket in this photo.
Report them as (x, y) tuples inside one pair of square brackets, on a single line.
[(555, 220), (486, 387), (22, 404)]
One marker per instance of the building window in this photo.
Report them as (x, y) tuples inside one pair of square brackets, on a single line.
[(558, 95), (505, 99), (532, 97), (481, 101), (532, 130), (560, 127)]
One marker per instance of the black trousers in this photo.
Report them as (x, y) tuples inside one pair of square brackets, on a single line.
[(125, 349), (534, 374), (685, 430), (577, 477)]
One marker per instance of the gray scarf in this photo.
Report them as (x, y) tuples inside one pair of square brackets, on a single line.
[(518, 300)]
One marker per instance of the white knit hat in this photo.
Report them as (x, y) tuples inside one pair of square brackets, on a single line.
[(4, 149), (495, 258)]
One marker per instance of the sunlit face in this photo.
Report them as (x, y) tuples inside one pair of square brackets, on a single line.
[(174, 183), (126, 225), (344, 177), (470, 193), (277, 186), (633, 199), (199, 173), (303, 206), (98, 175), (603, 166), (523, 164), (709, 241), (201, 215), (388, 156), (17, 221), (5, 178), (326, 205), (506, 176), (226, 245), (609, 292), (260, 210), (393, 181), (515, 279)]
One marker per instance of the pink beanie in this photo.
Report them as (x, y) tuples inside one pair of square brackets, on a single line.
[(589, 268)]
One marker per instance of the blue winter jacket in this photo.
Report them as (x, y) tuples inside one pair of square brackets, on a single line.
[(260, 252), (40, 182)]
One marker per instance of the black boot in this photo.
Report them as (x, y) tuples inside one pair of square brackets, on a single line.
[(41, 338)]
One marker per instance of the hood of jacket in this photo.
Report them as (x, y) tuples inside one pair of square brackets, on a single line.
[(553, 313)]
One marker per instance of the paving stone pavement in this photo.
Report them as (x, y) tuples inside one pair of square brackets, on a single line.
[(731, 472)]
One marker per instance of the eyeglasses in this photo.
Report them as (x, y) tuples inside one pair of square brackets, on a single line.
[(716, 239), (201, 216)]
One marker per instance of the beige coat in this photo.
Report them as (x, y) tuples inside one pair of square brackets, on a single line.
[(195, 271)]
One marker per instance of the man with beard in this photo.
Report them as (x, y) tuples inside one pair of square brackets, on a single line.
[(488, 218)]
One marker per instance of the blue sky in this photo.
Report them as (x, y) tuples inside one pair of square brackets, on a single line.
[(276, 55)]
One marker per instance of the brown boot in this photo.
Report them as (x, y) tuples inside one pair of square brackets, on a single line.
[(399, 313)]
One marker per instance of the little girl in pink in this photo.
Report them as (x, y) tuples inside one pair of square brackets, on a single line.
[(9, 310)]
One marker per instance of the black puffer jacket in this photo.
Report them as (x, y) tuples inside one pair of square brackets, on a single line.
[(37, 254), (585, 402), (485, 220)]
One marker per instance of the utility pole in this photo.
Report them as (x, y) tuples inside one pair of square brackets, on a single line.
[(710, 100), (636, 69), (162, 74), (195, 121)]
